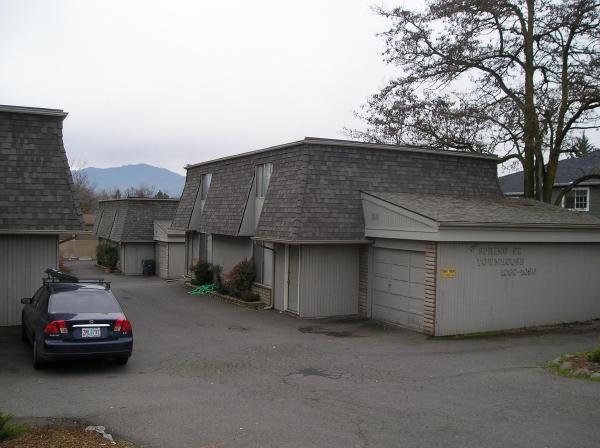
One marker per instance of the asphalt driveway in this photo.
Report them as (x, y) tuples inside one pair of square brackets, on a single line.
[(208, 374)]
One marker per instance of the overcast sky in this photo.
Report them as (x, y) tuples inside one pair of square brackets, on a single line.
[(176, 82)]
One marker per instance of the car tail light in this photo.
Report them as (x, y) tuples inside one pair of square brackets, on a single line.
[(123, 326), (56, 328)]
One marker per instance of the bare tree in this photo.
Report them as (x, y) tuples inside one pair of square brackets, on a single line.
[(519, 78), (111, 193), (141, 191), (88, 202)]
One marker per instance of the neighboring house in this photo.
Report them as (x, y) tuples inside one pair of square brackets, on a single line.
[(333, 231), (169, 250), (130, 225), (80, 246), (585, 197), (37, 202)]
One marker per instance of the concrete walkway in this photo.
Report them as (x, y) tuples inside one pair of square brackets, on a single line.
[(208, 374)]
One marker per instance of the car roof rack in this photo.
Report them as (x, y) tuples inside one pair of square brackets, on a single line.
[(56, 276)]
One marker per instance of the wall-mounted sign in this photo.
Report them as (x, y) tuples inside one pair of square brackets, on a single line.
[(448, 273)]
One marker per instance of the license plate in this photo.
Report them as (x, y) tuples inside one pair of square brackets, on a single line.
[(90, 332)]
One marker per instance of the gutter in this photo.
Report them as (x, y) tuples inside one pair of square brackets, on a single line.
[(138, 199), (297, 242), (520, 226), (40, 232)]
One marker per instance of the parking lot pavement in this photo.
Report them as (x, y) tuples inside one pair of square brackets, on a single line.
[(206, 373)]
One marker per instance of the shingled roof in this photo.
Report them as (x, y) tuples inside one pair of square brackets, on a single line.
[(132, 219), (36, 187), (488, 211), (568, 170), (314, 192)]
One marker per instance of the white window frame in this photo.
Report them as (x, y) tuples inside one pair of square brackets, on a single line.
[(265, 247), (587, 202)]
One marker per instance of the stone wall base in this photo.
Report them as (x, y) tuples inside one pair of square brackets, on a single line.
[(265, 293)]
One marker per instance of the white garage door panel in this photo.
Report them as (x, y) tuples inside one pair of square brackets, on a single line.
[(401, 258), (382, 269), (384, 300), (417, 290), (417, 258), (417, 275), (398, 287), (400, 272)]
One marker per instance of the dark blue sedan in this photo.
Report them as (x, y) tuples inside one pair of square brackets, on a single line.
[(75, 319)]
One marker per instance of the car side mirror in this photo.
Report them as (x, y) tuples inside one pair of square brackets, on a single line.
[(26, 300)]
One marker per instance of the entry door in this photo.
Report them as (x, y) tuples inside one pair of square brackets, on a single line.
[(293, 304), (398, 287)]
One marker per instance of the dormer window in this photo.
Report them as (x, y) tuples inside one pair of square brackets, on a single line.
[(577, 199), (263, 177), (201, 194), (206, 179)]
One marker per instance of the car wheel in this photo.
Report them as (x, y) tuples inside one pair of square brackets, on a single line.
[(121, 361), (38, 363)]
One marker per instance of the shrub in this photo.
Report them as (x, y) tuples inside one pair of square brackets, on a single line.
[(593, 356), (203, 272), (217, 270), (8, 430), (241, 278), (107, 255)]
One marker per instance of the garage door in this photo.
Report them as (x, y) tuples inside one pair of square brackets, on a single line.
[(398, 287)]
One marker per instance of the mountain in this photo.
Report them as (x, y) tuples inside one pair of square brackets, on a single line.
[(123, 177)]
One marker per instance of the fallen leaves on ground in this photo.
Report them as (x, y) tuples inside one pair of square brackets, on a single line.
[(580, 361), (63, 438)]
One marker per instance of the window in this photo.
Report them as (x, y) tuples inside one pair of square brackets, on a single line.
[(263, 177), (206, 179), (577, 199), (262, 254), (201, 194), (83, 301)]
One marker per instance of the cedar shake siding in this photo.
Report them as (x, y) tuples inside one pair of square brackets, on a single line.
[(36, 187), (132, 219), (314, 193)]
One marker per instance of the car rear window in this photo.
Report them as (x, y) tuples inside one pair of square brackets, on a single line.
[(83, 301)]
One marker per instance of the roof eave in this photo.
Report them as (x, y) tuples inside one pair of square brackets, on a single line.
[(307, 241), (138, 199), (519, 226), (348, 143), (33, 110), (39, 231)]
